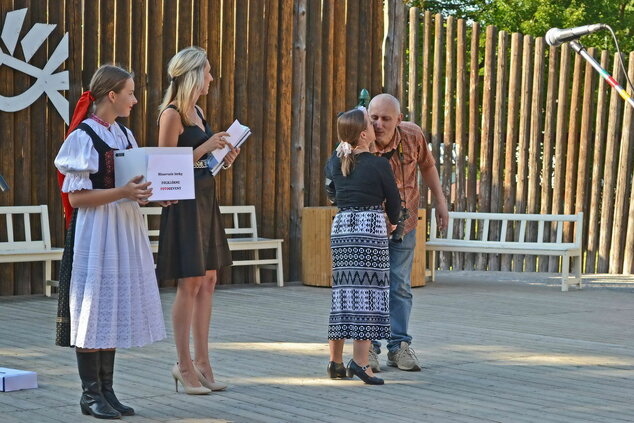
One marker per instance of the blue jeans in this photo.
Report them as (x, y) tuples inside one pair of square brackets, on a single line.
[(401, 259)]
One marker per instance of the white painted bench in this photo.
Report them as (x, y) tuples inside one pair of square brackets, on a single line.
[(544, 247), (30, 248), (240, 238)]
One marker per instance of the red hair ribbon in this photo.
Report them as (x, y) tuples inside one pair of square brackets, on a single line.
[(81, 109)]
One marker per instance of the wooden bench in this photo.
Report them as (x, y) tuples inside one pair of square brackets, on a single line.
[(30, 248), (541, 246), (240, 238)]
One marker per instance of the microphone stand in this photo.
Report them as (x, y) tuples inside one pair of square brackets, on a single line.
[(581, 50)]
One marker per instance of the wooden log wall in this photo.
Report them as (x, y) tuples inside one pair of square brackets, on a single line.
[(283, 67), (537, 131)]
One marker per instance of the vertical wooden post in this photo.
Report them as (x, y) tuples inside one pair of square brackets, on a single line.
[(7, 162), (395, 49), (241, 106), (377, 44), (425, 80), (512, 132), (497, 162), (352, 56), (449, 126), (573, 141), (436, 115), (256, 85), (22, 132), (156, 71), (424, 100), (412, 90), (598, 159), (523, 139), (560, 144), (486, 137), (313, 104), (269, 148), (623, 188), (461, 136), (213, 35), (628, 259), (474, 104), (184, 24), (327, 85), (298, 137), (583, 164), (283, 147), (548, 150), (609, 175), (136, 45), (534, 150), (448, 117), (227, 84)]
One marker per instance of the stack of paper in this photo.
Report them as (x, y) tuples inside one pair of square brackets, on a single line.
[(168, 168), (14, 380), (238, 133)]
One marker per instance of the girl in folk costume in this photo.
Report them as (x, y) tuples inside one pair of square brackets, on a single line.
[(108, 291), (359, 183)]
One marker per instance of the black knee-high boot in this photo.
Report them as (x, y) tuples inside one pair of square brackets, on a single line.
[(92, 400), (106, 375)]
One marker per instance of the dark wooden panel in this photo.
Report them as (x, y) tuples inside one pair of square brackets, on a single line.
[(352, 53), (283, 147), (136, 44), (255, 84), (312, 169), (7, 161), (106, 31), (269, 145), (499, 121), (22, 132)]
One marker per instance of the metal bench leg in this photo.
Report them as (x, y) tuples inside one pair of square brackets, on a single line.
[(47, 277), (256, 254), (565, 264), (280, 266)]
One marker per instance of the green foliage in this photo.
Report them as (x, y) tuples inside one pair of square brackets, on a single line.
[(535, 17)]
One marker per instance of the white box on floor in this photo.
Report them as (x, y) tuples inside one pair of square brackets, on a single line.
[(170, 169), (14, 380)]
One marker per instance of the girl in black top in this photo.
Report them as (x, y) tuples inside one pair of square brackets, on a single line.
[(360, 183)]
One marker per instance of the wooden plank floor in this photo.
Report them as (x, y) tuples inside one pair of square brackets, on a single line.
[(496, 347)]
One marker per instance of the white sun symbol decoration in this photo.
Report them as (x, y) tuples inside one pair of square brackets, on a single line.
[(45, 80)]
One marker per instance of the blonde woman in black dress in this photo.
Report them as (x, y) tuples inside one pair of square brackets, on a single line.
[(192, 244)]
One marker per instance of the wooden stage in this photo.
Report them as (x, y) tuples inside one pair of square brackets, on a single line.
[(496, 347)]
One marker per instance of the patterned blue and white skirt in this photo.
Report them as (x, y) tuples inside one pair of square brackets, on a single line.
[(360, 275)]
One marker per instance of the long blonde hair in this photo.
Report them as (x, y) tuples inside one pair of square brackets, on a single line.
[(186, 71), (349, 127)]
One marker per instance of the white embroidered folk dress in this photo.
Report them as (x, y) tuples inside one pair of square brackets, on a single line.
[(114, 298)]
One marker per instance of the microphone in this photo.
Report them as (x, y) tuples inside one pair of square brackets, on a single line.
[(556, 36)]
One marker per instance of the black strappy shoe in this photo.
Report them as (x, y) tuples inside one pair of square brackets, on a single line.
[(359, 371)]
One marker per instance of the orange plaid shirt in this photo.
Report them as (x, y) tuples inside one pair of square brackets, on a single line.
[(415, 154)]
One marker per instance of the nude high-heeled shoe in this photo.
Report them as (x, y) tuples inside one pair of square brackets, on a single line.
[(214, 386), (190, 390)]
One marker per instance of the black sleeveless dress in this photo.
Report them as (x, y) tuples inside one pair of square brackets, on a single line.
[(192, 238)]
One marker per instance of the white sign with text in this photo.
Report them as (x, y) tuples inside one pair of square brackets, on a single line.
[(170, 169)]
